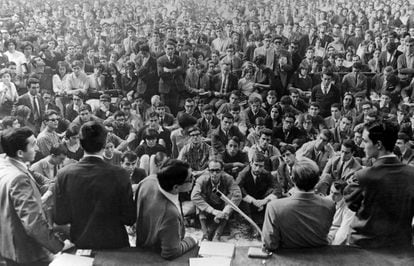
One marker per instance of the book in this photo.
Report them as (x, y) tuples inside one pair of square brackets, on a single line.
[(216, 261), (216, 249)]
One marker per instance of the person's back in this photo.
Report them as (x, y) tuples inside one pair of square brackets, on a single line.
[(384, 217), (160, 225), (94, 197), (304, 219)]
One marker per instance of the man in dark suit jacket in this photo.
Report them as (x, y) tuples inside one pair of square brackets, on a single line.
[(287, 132), (146, 69), (325, 94), (258, 188), (223, 84), (25, 236), (389, 57), (220, 136), (94, 197), (170, 71), (382, 195), (208, 122), (33, 100)]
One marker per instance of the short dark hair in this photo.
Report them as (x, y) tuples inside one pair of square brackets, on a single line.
[(258, 157), (58, 150), (15, 139), (173, 172), (286, 148), (227, 115), (71, 131), (92, 136), (48, 113), (130, 155), (305, 174), (119, 113), (85, 107), (31, 81), (349, 143), (150, 133), (266, 132), (385, 131)]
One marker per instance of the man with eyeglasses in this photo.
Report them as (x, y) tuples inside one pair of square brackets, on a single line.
[(287, 132), (48, 137), (160, 219), (212, 210), (319, 150), (196, 152)]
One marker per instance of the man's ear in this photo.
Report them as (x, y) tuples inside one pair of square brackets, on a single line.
[(379, 145)]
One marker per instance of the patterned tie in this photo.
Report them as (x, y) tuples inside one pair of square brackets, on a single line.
[(36, 108)]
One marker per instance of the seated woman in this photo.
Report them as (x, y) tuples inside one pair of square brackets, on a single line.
[(147, 151)]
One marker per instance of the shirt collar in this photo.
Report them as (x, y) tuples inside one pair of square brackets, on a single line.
[(93, 155), (20, 163), (171, 197)]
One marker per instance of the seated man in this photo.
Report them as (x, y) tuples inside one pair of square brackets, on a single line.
[(319, 150), (213, 212), (343, 217), (195, 152), (258, 188), (339, 167), (284, 172), (129, 161), (160, 224), (303, 219), (234, 159), (226, 130), (271, 153)]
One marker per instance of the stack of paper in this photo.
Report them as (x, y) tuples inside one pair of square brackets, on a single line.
[(216, 249), (71, 260), (213, 261)]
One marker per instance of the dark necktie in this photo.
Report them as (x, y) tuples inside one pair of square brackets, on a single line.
[(55, 169), (341, 169), (36, 108)]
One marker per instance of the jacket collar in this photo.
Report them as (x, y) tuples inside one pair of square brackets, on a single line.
[(387, 160), (19, 165)]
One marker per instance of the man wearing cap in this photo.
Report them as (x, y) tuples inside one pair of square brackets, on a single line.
[(355, 81), (106, 109)]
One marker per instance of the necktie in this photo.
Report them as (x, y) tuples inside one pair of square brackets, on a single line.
[(341, 169), (36, 108), (55, 169)]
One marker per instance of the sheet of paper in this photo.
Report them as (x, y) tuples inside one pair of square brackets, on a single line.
[(71, 260)]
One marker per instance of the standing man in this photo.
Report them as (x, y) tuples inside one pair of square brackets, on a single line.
[(382, 195), (160, 221), (170, 71), (326, 93), (48, 137), (25, 236), (94, 197), (33, 100)]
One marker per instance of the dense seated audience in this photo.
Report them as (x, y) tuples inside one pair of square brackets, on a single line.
[(282, 106)]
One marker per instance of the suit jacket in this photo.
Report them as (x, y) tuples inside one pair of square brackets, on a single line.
[(230, 85), (402, 62), (26, 100), (25, 235), (333, 172), (207, 128), (279, 135), (160, 225), (383, 199), (301, 220), (383, 62), (284, 177), (44, 168), (147, 76), (308, 150), (95, 197), (330, 122), (170, 82), (353, 83), (264, 185)]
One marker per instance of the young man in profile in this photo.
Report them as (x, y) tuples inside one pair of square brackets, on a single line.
[(160, 221), (382, 195)]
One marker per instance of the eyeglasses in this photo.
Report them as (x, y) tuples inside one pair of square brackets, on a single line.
[(195, 135), (76, 99), (53, 120), (214, 170)]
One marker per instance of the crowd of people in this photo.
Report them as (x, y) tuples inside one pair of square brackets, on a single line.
[(301, 113)]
